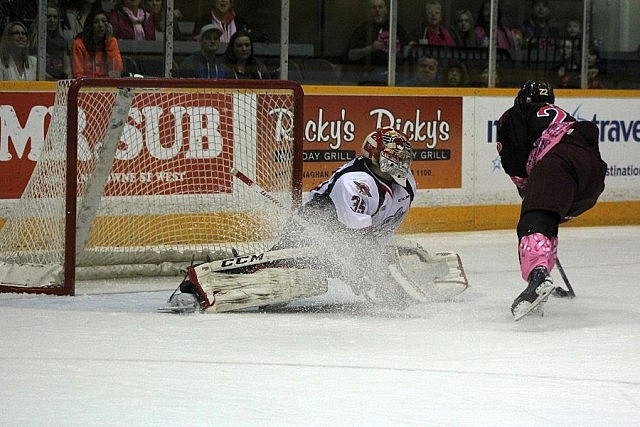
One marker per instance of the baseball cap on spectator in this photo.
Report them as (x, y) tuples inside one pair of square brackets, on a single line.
[(210, 27)]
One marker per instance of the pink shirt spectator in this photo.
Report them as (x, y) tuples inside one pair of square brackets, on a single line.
[(433, 32), (131, 22)]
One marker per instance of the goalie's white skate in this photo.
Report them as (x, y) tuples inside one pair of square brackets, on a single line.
[(181, 303)]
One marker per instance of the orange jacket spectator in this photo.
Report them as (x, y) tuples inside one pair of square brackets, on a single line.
[(95, 51)]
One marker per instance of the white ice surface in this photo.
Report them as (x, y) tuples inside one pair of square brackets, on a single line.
[(109, 359)]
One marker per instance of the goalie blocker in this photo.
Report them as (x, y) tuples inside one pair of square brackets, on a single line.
[(280, 277)]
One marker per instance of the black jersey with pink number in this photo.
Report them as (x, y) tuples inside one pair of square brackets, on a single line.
[(519, 128)]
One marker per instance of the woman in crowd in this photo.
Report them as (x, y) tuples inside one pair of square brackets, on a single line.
[(239, 57), (132, 22), (15, 61), (95, 51), (463, 32), (433, 31)]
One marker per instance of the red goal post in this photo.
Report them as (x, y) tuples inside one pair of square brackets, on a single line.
[(134, 178)]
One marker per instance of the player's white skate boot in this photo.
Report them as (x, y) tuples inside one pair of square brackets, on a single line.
[(535, 295)]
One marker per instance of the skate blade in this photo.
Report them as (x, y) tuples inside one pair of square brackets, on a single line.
[(180, 309), (533, 308)]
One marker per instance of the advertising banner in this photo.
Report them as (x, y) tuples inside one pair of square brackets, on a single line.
[(24, 118), (336, 126), (454, 140)]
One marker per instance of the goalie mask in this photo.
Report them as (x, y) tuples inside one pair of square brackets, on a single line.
[(533, 91), (390, 151)]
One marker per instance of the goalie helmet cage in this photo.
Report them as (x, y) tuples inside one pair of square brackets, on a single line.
[(134, 178)]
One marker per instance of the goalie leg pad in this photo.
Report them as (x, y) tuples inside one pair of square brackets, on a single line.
[(223, 292)]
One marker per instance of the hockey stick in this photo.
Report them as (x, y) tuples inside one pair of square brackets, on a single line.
[(564, 292), (258, 258), (254, 186)]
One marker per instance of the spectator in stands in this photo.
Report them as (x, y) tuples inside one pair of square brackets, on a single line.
[(463, 32), (538, 31), (95, 51), (572, 78), (433, 32), (77, 12), (15, 61), (593, 69), (157, 10), (132, 22), (368, 47), (240, 59), (569, 68), (425, 73), (456, 75), (482, 79), (507, 38), (58, 60), (572, 29), (204, 64), (223, 15)]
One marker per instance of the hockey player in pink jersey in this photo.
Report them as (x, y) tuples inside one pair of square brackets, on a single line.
[(555, 164)]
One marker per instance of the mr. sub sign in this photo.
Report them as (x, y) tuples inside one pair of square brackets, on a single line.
[(170, 143)]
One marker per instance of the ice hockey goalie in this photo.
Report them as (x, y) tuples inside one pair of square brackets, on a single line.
[(344, 230)]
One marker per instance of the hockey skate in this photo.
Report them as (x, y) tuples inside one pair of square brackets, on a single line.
[(186, 301), (181, 303), (535, 295)]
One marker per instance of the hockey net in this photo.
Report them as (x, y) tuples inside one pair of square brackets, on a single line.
[(134, 179)]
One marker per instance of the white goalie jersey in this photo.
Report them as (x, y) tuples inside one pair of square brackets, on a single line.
[(362, 201)]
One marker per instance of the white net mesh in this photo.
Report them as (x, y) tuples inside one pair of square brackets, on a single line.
[(168, 195)]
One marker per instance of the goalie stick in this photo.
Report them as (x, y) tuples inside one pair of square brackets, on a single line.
[(255, 187)]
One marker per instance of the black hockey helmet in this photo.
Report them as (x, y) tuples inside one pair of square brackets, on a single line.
[(533, 91)]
